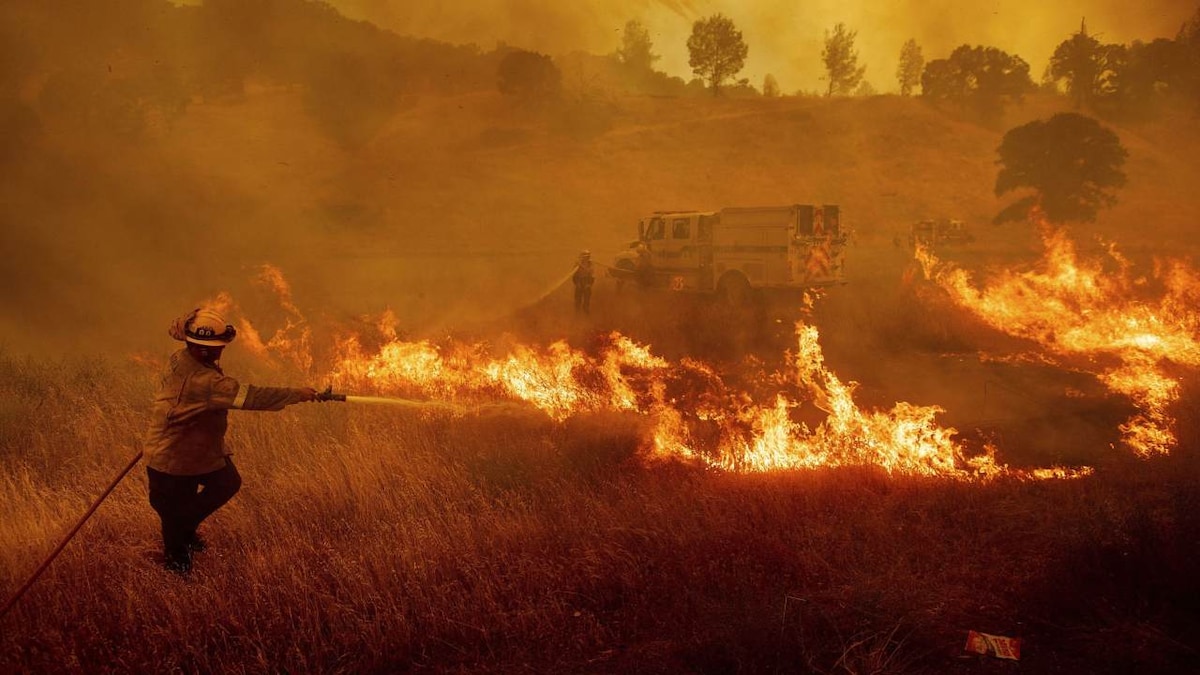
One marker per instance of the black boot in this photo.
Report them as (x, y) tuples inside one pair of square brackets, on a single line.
[(179, 562), (197, 544)]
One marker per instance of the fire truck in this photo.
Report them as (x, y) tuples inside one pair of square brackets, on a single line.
[(937, 232), (737, 251)]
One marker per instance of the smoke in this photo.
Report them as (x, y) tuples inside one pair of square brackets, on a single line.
[(785, 37), (154, 154)]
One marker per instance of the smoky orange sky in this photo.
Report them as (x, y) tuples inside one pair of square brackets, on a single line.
[(785, 36), (276, 162)]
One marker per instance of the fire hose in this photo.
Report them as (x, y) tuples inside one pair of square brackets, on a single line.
[(63, 544), (507, 407), (322, 396)]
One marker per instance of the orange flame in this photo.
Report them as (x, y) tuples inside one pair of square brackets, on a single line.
[(626, 376), (222, 303), (1073, 306), (292, 343), (272, 277), (693, 414)]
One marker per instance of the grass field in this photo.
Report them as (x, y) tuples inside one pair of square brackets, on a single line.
[(385, 539)]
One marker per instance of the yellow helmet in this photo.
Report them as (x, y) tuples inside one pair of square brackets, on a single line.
[(207, 327)]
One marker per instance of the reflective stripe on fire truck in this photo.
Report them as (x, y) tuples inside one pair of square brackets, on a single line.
[(819, 260)]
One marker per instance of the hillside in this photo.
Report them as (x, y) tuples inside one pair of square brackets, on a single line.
[(467, 206)]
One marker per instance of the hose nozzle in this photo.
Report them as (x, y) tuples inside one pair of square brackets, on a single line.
[(328, 395)]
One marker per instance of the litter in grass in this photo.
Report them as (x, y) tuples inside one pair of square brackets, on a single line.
[(993, 645)]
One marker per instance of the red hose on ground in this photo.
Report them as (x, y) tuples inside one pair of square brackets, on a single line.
[(63, 544)]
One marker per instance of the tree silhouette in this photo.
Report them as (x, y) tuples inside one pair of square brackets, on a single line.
[(636, 52), (770, 87), (841, 60), (1127, 81), (716, 51), (1071, 162), (635, 58), (1188, 40), (908, 72), (1083, 62), (864, 89), (1144, 76), (980, 79), (529, 76)]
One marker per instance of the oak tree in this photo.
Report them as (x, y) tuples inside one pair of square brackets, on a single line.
[(912, 62), (716, 50), (770, 87), (528, 76), (1188, 40), (636, 52), (979, 79), (1081, 61), (1070, 162), (841, 60)]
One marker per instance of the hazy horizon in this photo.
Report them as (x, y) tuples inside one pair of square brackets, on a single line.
[(785, 39), (155, 159)]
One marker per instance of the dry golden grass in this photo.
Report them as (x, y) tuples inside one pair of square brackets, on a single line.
[(375, 540)]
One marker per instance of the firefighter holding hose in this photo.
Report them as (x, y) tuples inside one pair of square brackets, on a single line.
[(583, 277), (190, 471)]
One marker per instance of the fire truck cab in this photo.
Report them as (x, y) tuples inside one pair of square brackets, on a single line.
[(737, 250)]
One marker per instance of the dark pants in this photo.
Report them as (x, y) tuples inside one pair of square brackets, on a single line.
[(583, 297), (183, 502)]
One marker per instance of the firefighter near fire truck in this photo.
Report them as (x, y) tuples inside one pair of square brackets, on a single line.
[(583, 278), (737, 253)]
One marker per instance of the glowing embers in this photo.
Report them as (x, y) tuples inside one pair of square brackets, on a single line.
[(1097, 309)]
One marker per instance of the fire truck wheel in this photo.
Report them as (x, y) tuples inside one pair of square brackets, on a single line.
[(734, 290), (623, 272)]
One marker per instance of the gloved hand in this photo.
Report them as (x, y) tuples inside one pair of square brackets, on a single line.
[(328, 395), (307, 394)]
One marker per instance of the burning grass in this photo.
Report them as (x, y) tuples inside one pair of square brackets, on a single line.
[(740, 419), (589, 508), (1135, 330), (382, 539)]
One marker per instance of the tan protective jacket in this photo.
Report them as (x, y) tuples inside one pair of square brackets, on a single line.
[(188, 416), (584, 274)]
